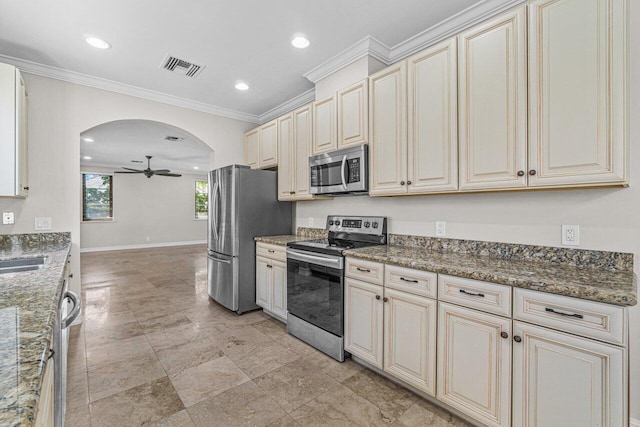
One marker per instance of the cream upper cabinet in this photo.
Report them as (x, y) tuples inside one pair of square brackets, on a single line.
[(252, 148), (493, 103), (13, 133), (353, 115), (286, 158), (388, 131), (474, 363), (363, 325), (325, 134), (432, 162), (303, 129), (410, 339), (269, 144), (577, 91), (562, 380)]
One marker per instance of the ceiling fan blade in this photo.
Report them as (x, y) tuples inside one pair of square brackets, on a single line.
[(160, 170), (135, 170), (167, 174), (127, 172)]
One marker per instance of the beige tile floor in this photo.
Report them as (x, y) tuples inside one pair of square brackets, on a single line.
[(153, 350)]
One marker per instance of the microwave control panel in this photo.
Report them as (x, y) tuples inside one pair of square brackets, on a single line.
[(354, 170)]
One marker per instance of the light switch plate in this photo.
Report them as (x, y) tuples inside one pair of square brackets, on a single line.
[(441, 229), (310, 221), (8, 218), (571, 235), (43, 223)]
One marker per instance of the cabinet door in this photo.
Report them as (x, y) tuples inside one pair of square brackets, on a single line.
[(353, 115), (363, 328), (22, 171), (264, 277), (45, 412), (474, 363), (410, 339), (493, 104), (433, 119), (279, 289), (302, 130), (561, 380), (269, 144), (577, 110), (388, 131), (252, 148), (286, 158), (325, 134)]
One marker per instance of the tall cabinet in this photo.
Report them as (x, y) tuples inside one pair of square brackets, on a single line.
[(14, 172)]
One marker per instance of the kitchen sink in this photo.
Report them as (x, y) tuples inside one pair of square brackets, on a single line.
[(21, 264)]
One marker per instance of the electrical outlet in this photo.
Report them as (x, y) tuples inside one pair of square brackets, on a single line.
[(441, 230), (8, 218), (571, 235), (148, 239), (43, 223), (310, 221)]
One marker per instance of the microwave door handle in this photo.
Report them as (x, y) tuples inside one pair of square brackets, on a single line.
[(342, 174)]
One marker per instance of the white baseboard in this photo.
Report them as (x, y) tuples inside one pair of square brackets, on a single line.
[(634, 422), (142, 246)]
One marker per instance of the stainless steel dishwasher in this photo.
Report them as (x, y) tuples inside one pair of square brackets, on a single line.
[(68, 310)]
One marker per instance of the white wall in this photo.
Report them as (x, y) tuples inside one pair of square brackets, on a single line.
[(58, 113), (158, 208), (608, 218)]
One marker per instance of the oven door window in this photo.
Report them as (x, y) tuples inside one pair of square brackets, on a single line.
[(315, 294)]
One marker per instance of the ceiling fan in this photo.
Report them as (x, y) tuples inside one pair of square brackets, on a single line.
[(148, 172)]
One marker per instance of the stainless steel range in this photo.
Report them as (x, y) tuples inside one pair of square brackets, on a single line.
[(315, 280)]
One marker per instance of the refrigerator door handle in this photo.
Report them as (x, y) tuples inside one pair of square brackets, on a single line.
[(218, 206), (224, 261), (214, 214)]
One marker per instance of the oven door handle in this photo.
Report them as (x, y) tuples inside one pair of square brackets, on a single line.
[(342, 174), (333, 262)]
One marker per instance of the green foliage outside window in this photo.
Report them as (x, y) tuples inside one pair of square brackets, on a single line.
[(202, 199), (97, 197)]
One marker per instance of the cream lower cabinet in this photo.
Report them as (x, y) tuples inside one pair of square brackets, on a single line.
[(390, 329), (271, 280), (474, 363), (45, 412), (561, 380)]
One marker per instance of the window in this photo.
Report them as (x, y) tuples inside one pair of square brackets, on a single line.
[(97, 197), (202, 199)]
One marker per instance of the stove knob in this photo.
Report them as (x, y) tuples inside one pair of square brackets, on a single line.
[(375, 225), (330, 222), (366, 225), (337, 223)]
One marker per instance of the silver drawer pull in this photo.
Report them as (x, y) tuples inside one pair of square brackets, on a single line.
[(364, 270), (408, 280), (576, 315), (462, 291)]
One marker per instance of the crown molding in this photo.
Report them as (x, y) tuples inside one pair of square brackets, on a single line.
[(368, 46), (112, 86), (290, 105), (388, 55)]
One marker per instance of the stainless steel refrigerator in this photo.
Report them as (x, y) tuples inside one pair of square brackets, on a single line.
[(243, 204)]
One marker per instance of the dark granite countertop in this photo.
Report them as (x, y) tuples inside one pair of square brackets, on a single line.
[(596, 284), (28, 305)]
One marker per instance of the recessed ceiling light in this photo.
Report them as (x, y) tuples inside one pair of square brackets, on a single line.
[(196, 168), (300, 42), (242, 86), (87, 139), (87, 157), (98, 43)]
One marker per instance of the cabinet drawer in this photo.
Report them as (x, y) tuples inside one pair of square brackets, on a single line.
[(587, 318), (413, 281), (267, 250), (476, 294), (367, 271)]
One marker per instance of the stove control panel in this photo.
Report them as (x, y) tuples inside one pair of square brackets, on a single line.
[(376, 225)]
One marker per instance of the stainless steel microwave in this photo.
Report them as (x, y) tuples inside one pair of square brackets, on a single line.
[(340, 172)]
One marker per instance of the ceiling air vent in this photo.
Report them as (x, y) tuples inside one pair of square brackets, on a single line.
[(181, 66)]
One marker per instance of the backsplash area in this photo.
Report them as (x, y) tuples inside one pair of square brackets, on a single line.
[(610, 261)]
